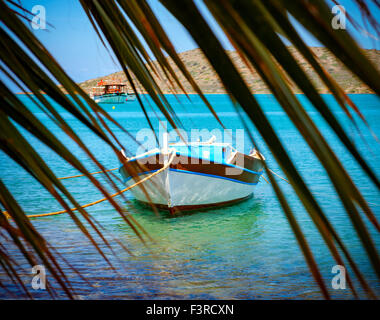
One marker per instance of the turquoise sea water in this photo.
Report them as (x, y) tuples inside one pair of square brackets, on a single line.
[(245, 251)]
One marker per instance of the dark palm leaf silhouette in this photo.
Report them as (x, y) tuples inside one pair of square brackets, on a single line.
[(256, 29)]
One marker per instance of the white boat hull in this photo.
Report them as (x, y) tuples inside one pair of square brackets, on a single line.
[(186, 190)]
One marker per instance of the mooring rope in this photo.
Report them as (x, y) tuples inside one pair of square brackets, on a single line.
[(279, 176), (6, 214), (264, 179), (317, 193), (82, 175), (103, 171), (101, 200)]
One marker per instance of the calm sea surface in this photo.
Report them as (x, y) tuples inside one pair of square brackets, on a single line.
[(245, 251)]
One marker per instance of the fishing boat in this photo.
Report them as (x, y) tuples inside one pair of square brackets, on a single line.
[(111, 92), (196, 175)]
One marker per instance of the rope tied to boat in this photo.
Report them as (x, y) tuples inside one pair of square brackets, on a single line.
[(279, 176), (316, 193), (82, 175), (102, 171), (6, 214)]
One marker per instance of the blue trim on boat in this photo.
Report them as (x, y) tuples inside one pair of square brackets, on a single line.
[(197, 173), (224, 163), (241, 168), (212, 175)]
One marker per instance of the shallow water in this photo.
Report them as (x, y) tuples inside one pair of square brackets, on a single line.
[(245, 251)]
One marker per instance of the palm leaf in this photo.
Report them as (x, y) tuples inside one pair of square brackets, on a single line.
[(253, 27)]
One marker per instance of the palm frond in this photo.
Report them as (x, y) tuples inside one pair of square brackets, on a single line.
[(255, 29)]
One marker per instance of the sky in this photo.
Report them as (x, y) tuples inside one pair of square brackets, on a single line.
[(78, 49)]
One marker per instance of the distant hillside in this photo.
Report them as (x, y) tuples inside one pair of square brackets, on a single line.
[(206, 78)]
